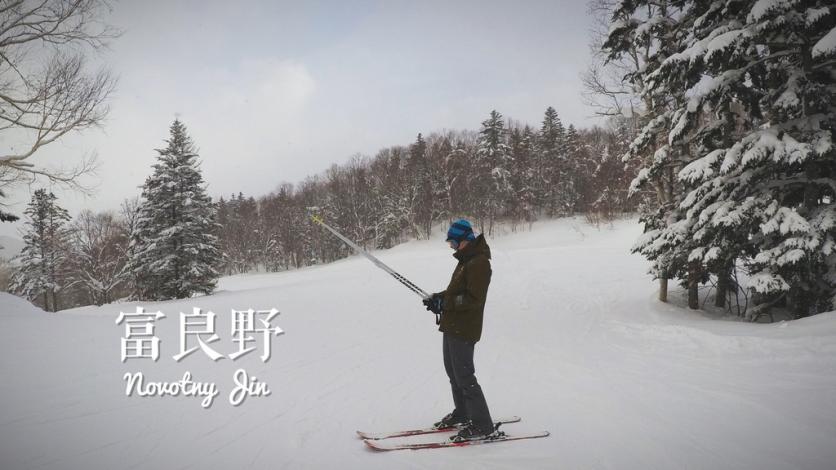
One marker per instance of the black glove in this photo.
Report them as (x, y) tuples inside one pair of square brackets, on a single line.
[(434, 303)]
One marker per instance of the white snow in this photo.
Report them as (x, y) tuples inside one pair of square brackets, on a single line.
[(682, 119), (789, 97), (615, 25), (765, 144), (701, 168), (575, 342), (721, 42), (786, 221), (647, 26), (762, 7), (826, 45), (813, 15), (639, 180), (764, 282), (822, 142)]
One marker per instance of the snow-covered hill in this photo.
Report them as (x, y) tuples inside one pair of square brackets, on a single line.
[(574, 343)]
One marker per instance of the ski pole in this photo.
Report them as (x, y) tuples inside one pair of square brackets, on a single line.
[(409, 284)]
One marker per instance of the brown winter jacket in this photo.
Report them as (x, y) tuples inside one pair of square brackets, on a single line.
[(464, 298)]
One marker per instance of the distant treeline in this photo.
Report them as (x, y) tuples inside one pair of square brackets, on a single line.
[(505, 171)]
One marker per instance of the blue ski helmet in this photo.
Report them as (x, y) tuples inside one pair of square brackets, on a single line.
[(460, 231)]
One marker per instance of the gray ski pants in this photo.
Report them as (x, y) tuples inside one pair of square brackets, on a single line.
[(467, 394)]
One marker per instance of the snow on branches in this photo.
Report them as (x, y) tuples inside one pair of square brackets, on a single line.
[(744, 93)]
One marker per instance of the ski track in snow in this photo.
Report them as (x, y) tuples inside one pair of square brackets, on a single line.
[(574, 343)]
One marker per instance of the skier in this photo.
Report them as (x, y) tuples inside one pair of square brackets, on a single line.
[(461, 308)]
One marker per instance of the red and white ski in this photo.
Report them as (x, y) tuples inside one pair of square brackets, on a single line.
[(382, 446), (416, 432)]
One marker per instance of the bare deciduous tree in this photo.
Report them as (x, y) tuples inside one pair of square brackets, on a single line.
[(46, 90), (98, 255), (605, 89)]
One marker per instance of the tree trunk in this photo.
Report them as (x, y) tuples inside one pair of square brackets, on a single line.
[(693, 287), (49, 297), (663, 289), (723, 284)]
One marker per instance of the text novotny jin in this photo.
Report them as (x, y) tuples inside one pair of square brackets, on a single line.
[(140, 342)]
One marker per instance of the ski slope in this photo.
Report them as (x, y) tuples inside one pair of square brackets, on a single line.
[(574, 342)]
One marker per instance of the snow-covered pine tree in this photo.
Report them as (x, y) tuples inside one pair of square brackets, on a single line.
[(623, 135), (601, 196), (551, 163), (646, 29), (440, 147), (523, 176), (609, 177), (392, 195), (492, 179), (41, 274), (577, 170), (421, 190), (174, 246), (459, 175), (760, 119)]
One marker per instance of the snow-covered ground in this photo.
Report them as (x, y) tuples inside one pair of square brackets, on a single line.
[(574, 342)]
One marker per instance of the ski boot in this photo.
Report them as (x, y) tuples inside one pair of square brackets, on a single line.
[(475, 433), (451, 421)]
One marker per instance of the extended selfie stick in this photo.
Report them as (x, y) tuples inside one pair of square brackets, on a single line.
[(409, 284)]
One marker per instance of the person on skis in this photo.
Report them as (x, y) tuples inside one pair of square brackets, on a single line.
[(461, 307)]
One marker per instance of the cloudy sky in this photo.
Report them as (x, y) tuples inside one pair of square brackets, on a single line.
[(274, 91)]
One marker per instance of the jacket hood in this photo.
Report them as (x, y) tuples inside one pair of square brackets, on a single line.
[(476, 247)]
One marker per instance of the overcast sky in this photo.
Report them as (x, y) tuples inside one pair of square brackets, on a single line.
[(275, 91)]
